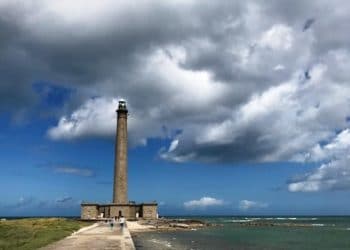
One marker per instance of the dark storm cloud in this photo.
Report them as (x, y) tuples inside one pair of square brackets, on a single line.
[(42, 46), (99, 56), (230, 75), (245, 148)]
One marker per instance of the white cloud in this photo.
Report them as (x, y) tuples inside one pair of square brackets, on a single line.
[(186, 88), (339, 146), (247, 204), (278, 37), (173, 145), (96, 117), (203, 202), (279, 67), (332, 175), (175, 158), (74, 171), (184, 92)]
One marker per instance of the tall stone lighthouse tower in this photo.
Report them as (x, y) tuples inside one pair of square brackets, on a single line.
[(120, 189), (120, 205)]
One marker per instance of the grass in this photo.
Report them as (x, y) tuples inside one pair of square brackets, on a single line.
[(34, 233)]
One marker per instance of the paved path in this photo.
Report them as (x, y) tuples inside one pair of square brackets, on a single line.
[(96, 237)]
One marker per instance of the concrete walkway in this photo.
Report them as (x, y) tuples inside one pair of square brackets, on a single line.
[(96, 237)]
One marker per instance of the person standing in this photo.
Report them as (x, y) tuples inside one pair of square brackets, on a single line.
[(122, 222), (112, 222)]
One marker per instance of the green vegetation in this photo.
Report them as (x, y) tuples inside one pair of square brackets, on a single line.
[(37, 232)]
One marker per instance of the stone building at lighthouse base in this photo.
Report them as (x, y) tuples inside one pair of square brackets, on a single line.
[(131, 211)]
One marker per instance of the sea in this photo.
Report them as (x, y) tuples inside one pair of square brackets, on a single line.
[(253, 233)]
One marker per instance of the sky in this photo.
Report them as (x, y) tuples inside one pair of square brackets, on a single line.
[(235, 107)]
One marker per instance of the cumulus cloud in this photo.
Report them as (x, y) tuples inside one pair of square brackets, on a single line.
[(338, 146), (254, 130), (332, 175), (246, 204), (203, 202), (278, 37), (96, 117), (185, 92), (229, 75)]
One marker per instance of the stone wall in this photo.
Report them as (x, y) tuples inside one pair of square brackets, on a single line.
[(149, 211), (92, 211), (126, 210), (89, 211)]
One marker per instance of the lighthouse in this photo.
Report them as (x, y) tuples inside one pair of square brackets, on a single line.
[(120, 205), (120, 184)]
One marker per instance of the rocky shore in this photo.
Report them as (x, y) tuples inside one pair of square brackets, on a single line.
[(166, 225), (149, 234)]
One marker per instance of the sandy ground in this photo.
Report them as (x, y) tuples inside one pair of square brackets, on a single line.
[(95, 237)]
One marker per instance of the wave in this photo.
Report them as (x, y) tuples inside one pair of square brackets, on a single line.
[(161, 242), (239, 221), (272, 218), (317, 225)]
